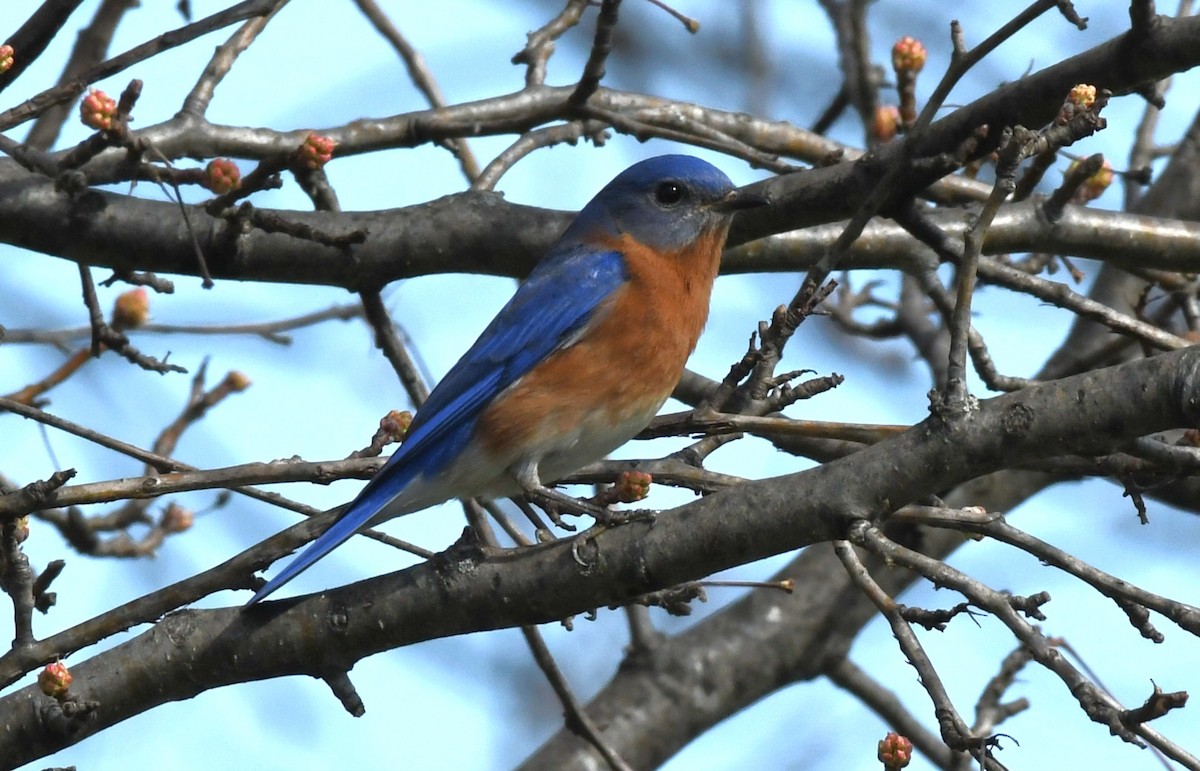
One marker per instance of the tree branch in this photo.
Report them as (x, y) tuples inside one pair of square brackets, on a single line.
[(456, 592)]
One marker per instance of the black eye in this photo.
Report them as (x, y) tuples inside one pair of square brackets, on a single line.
[(669, 193)]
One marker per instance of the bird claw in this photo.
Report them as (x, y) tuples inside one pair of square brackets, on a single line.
[(556, 518), (556, 504), (585, 540), (610, 519)]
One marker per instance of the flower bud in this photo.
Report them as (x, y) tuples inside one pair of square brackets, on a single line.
[(237, 381), (132, 309), (1094, 186), (1079, 99), (908, 55), (885, 122), (222, 176), (97, 110), (395, 425), (55, 679), (1082, 96), (895, 751), (176, 519), (316, 151), (633, 486)]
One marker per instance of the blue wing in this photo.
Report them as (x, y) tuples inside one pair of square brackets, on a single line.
[(558, 299)]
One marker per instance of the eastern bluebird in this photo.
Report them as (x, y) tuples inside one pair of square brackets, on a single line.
[(579, 360)]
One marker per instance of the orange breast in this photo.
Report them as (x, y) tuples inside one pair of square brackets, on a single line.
[(593, 395)]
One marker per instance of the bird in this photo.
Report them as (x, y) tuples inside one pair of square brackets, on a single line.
[(578, 361)]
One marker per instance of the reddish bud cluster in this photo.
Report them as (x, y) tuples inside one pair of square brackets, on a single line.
[(131, 310), (1079, 99), (97, 110), (176, 519), (1083, 95), (908, 55), (895, 751), (237, 381), (6, 58), (1095, 185), (395, 424), (633, 486), (885, 123), (222, 176), (316, 151), (55, 679)]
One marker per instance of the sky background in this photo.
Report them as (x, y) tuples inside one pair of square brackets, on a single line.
[(477, 702)]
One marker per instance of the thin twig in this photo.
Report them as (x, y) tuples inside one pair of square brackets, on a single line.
[(577, 717), (955, 732), (569, 132), (420, 75), (593, 70), (271, 331), (196, 102), (36, 105), (319, 472), (540, 44), (388, 341), (956, 398), (994, 525), (1098, 705), (90, 49), (847, 675)]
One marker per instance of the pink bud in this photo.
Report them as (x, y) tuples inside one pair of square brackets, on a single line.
[(395, 424), (132, 309), (237, 380), (176, 519), (1094, 186), (908, 55), (885, 122), (633, 486), (222, 176), (97, 110), (895, 751), (55, 679), (316, 151), (1082, 95)]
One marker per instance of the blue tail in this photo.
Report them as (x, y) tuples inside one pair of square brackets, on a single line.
[(335, 536)]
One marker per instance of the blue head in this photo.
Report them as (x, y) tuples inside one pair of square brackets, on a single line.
[(665, 203)]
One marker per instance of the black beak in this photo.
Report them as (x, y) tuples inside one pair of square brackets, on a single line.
[(736, 200)]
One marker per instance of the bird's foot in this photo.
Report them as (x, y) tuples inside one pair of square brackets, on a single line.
[(607, 518), (556, 504), (583, 546), (553, 513)]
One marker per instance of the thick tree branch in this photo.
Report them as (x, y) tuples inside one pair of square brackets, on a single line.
[(457, 592), (489, 236)]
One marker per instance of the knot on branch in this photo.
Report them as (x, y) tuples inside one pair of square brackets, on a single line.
[(67, 717)]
